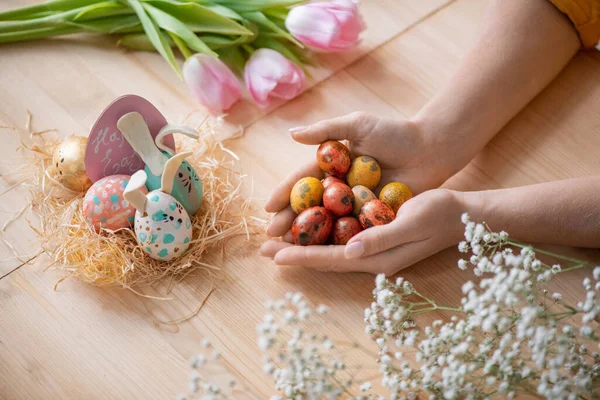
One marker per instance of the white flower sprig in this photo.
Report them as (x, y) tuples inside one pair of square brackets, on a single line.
[(508, 337), (301, 356)]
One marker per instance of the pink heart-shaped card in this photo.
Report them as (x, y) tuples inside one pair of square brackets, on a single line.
[(108, 152)]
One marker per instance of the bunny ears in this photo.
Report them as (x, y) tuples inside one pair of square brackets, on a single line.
[(133, 193)]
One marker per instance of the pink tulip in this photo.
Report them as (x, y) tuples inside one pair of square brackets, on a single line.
[(329, 26), (268, 74), (212, 83)]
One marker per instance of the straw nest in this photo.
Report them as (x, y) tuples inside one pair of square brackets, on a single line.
[(114, 257)]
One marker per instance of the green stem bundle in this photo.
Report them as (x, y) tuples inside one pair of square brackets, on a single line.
[(190, 26)]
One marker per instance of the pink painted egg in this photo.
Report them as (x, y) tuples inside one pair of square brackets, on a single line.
[(104, 205)]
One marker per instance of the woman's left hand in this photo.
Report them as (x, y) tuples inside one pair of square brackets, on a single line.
[(424, 225)]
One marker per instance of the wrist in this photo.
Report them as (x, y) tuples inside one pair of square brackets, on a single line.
[(475, 204), (444, 154)]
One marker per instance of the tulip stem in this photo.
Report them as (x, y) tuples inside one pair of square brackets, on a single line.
[(249, 49), (180, 45)]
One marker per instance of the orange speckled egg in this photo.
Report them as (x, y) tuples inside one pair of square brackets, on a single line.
[(362, 194), (332, 179), (364, 171), (344, 229), (338, 199), (334, 158), (104, 205), (307, 192), (395, 194), (375, 213), (312, 227)]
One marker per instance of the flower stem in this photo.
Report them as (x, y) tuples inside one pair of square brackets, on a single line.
[(549, 253), (180, 45)]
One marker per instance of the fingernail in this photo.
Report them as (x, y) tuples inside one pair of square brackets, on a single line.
[(354, 250), (297, 129)]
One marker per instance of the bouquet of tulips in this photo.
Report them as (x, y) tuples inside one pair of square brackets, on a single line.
[(264, 41)]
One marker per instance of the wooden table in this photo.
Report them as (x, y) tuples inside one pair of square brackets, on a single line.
[(86, 342)]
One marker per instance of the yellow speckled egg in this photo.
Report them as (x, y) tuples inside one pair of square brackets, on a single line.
[(362, 195), (364, 171), (68, 167), (395, 194), (306, 193)]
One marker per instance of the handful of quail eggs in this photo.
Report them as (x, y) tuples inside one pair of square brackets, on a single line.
[(343, 204)]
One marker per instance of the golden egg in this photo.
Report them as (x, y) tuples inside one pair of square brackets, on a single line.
[(362, 195), (68, 166), (395, 194), (364, 171), (306, 193)]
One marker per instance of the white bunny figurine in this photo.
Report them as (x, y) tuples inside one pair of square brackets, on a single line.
[(162, 226)]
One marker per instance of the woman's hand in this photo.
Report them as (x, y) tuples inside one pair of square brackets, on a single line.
[(426, 224), (403, 150)]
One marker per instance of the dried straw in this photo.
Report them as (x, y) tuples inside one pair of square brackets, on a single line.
[(114, 257)]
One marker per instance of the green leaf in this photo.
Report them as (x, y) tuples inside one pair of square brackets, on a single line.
[(53, 20), (279, 13), (233, 57), (260, 19), (38, 10), (34, 34), (104, 9), (224, 11), (256, 5), (176, 27), (157, 38), (138, 41), (110, 25), (199, 18)]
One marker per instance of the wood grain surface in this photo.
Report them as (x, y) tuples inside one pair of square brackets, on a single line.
[(83, 342)]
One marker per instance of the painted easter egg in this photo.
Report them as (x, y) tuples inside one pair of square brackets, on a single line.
[(362, 195), (338, 198), (395, 194), (332, 179), (375, 213), (364, 171), (312, 227), (344, 229), (164, 229), (307, 192), (334, 158), (68, 166), (187, 187), (104, 205), (108, 152)]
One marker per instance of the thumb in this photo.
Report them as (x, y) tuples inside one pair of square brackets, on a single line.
[(349, 127), (378, 239)]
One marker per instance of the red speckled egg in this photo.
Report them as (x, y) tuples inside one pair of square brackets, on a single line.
[(339, 199), (334, 158), (312, 227), (332, 179), (344, 228), (374, 213)]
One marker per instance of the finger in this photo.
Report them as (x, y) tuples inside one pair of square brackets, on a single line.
[(331, 258), (288, 237), (380, 238), (280, 198), (351, 127), (272, 247), (281, 222)]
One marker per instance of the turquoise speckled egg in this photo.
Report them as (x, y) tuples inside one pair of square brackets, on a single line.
[(187, 188), (164, 230)]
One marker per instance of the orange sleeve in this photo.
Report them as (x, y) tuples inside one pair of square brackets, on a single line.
[(585, 15)]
